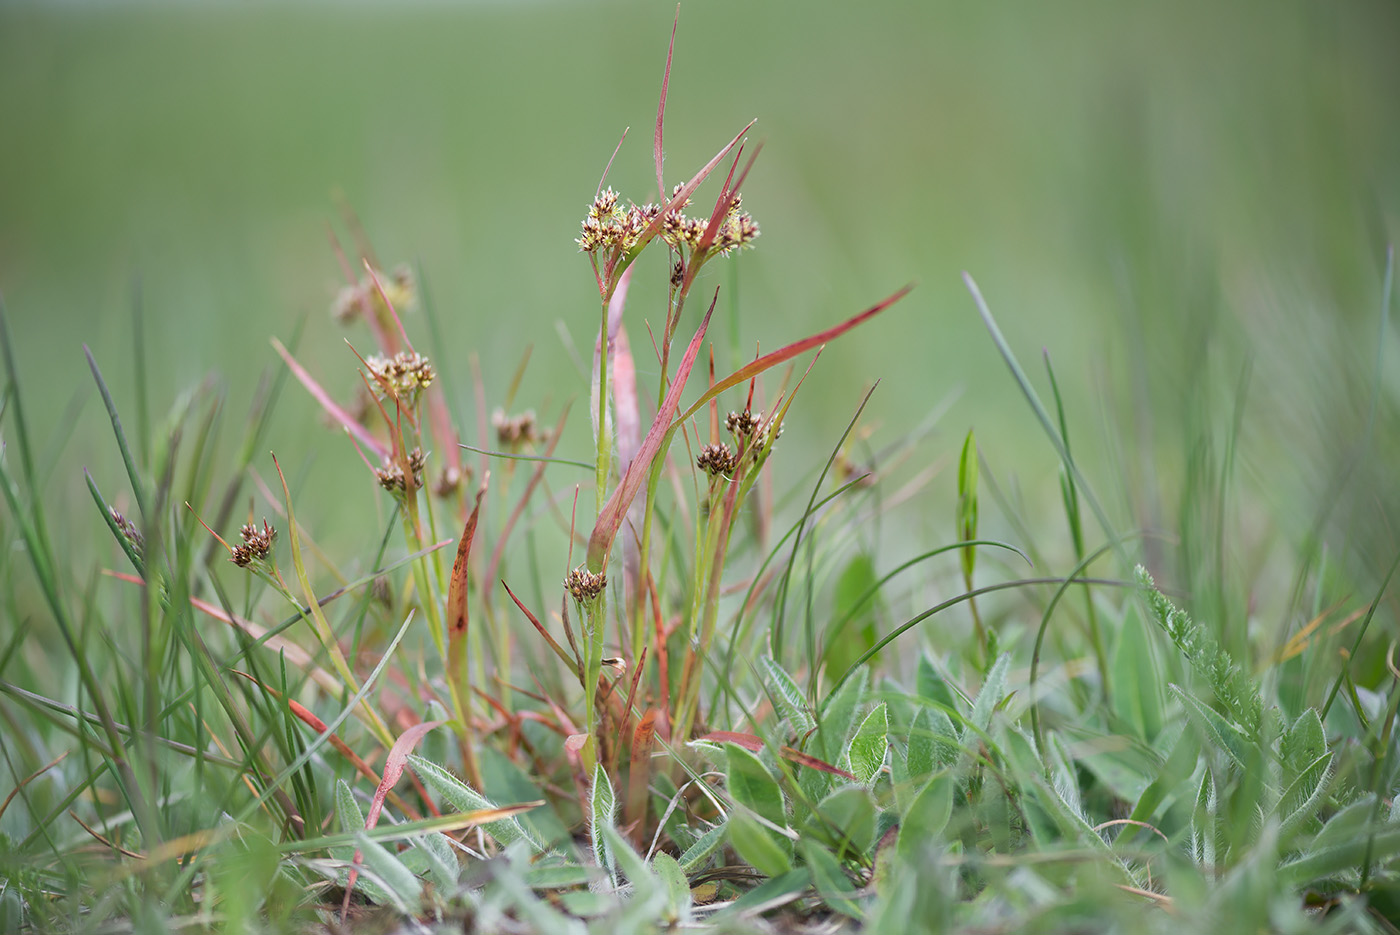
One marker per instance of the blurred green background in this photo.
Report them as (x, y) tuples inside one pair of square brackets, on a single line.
[(1175, 199)]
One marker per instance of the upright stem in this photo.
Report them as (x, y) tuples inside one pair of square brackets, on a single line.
[(675, 304), (413, 537), (706, 600), (595, 613), (604, 455)]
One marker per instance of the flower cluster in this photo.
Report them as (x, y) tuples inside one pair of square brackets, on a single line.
[(584, 585), (404, 374), (610, 226), (717, 460), (128, 531), (516, 431), (737, 229), (449, 481), (749, 426), (257, 544), (392, 478), (743, 424), (353, 300)]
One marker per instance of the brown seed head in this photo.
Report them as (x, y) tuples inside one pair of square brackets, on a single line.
[(257, 544), (743, 424), (676, 190), (390, 477), (416, 462), (584, 585), (516, 431), (717, 460), (448, 482)]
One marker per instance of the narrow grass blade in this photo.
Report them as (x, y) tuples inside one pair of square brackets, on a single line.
[(105, 510), (775, 632), (138, 486), (1041, 413)]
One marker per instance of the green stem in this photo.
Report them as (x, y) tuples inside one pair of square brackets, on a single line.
[(604, 456), (413, 538), (594, 614)]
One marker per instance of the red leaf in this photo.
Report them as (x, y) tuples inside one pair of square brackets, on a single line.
[(572, 663), (394, 765), (750, 370), (804, 759), (747, 741), (328, 404), (751, 742), (457, 588), (661, 107), (611, 515), (639, 776)]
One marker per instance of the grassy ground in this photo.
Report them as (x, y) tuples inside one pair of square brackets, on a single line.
[(883, 671)]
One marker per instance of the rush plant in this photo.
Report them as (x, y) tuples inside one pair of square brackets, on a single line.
[(697, 715)]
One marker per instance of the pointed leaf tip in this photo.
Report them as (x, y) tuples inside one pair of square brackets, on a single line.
[(661, 105)]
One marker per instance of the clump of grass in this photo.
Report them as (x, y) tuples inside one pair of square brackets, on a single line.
[(712, 711)]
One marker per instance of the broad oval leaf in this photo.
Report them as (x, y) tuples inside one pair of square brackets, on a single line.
[(758, 845), (928, 815), (846, 821), (752, 786), (869, 745), (791, 702), (675, 885), (404, 888), (602, 806), (832, 883), (696, 855), (464, 798), (993, 690)]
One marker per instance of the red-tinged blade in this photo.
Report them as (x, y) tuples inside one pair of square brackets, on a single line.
[(394, 765), (747, 741), (661, 106), (804, 759), (688, 189), (539, 627), (611, 515), (608, 168), (774, 358), (457, 588), (361, 433)]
